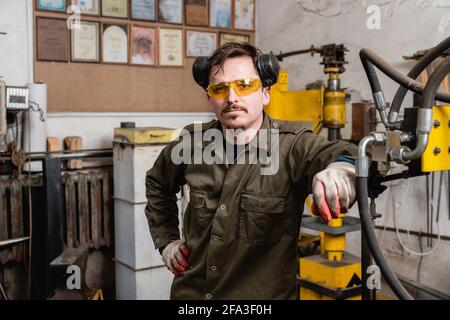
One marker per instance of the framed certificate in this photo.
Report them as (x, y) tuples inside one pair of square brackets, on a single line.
[(232, 37), (51, 5), (170, 47), (89, 7), (143, 10), (115, 8), (244, 15), (115, 44), (171, 11), (200, 43), (52, 42), (143, 46), (85, 42), (220, 14), (196, 13)]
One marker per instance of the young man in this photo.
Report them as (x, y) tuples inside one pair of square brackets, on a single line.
[(241, 226)]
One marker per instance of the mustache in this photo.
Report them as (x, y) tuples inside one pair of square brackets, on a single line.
[(232, 106)]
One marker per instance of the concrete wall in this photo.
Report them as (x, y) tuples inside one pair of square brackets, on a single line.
[(406, 27)]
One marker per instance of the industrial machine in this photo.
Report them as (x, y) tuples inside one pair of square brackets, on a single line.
[(323, 106), (421, 142), (332, 273)]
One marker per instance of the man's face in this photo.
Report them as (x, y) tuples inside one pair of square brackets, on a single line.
[(235, 112)]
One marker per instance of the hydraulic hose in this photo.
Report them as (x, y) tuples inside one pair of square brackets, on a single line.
[(426, 60), (367, 228), (424, 120), (368, 56), (375, 86)]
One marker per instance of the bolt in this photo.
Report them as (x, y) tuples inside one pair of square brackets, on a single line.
[(436, 124), (436, 151), (448, 150), (449, 123)]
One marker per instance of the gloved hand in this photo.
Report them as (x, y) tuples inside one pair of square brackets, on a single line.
[(334, 190), (174, 256)]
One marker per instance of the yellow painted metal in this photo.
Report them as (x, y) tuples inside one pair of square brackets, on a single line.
[(304, 105), (333, 274), (437, 154), (150, 135), (334, 245), (334, 109)]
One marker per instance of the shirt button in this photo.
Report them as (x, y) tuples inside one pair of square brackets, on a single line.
[(213, 268), (223, 207), (208, 296)]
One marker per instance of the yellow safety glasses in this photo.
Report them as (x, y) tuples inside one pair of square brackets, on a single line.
[(242, 87)]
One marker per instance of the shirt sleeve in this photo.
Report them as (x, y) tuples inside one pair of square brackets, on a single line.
[(163, 181), (310, 154)]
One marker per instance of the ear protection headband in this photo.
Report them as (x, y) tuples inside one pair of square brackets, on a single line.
[(266, 64)]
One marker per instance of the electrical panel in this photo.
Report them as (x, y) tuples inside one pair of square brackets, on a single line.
[(16, 98)]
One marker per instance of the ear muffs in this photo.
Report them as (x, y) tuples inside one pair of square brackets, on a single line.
[(200, 71), (266, 64), (268, 69)]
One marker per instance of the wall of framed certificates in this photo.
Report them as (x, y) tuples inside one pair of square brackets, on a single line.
[(104, 42)]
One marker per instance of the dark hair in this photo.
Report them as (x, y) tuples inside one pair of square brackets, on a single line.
[(232, 50)]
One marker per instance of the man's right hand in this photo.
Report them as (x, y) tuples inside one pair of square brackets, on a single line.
[(175, 256)]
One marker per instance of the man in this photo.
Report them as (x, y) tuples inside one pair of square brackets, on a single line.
[(241, 227)]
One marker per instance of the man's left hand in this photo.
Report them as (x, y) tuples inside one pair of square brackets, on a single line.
[(334, 190)]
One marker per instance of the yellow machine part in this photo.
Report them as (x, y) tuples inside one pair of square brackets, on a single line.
[(333, 274), (304, 105), (334, 109), (150, 135), (437, 154)]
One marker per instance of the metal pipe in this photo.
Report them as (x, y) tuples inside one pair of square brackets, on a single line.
[(425, 116)]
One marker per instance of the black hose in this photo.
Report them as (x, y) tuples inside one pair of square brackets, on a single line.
[(391, 72), (367, 228), (434, 82), (371, 74), (424, 62)]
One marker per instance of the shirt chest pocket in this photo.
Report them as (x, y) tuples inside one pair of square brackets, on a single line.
[(261, 218), (202, 210)]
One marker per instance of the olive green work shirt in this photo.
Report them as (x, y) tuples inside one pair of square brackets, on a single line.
[(240, 226)]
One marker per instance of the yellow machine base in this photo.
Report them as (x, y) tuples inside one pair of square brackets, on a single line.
[(332, 274)]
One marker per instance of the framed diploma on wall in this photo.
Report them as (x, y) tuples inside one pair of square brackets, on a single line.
[(115, 43), (171, 47), (171, 11), (51, 5), (143, 46), (115, 8), (220, 14), (85, 42), (52, 42), (196, 13), (244, 15), (144, 10), (232, 37), (200, 43), (89, 7)]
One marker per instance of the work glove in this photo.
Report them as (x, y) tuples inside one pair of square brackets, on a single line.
[(175, 255), (334, 190)]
